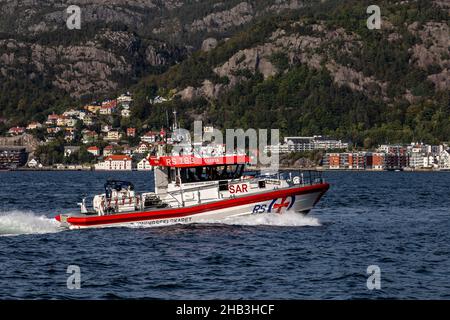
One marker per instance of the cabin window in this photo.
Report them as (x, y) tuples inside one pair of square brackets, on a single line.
[(171, 173), (210, 173)]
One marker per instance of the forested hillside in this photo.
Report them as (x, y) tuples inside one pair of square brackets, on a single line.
[(320, 70), (306, 67)]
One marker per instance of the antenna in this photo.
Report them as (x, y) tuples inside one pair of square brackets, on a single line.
[(175, 125), (167, 120)]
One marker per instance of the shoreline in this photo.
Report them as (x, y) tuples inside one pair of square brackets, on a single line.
[(249, 169)]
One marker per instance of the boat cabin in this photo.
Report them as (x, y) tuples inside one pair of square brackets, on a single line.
[(179, 170), (186, 180)]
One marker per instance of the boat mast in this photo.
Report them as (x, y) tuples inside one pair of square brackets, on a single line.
[(175, 125)]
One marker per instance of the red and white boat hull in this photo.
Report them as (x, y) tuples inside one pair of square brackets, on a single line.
[(298, 199)]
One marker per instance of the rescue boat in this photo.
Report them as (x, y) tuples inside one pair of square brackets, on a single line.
[(191, 189)]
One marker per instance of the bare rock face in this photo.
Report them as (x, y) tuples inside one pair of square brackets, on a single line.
[(79, 69), (433, 51), (345, 76), (254, 59), (211, 90), (25, 140), (154, 57), (280, 5), (87, 67), (223, 20), (441, 80), (316, 51), (445, 4), (435, 43), (209, 44), (208, 89), (306, 50), (96, 64), (188, 94)]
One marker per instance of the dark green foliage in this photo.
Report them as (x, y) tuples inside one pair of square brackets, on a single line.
[(298, 100)]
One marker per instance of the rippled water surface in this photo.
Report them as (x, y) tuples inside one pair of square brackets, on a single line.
[(398, 221)]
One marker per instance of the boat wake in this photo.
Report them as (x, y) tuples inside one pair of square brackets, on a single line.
[(23, 222), (288, 219)]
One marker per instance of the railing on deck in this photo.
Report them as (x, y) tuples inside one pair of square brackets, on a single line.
[(293, 178), (305, 177)]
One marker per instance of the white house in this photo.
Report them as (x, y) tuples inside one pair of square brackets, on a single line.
[(113, 135), (417, 159), (144, 165), (159, 100), (34, 125), (106, 128), (33, 163), (143, 148), (71, 122), (126, 113), (115, 163), (125, 98), (444, 160), (149, 137)]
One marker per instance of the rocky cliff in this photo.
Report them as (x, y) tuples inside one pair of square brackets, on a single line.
[(119, 41)]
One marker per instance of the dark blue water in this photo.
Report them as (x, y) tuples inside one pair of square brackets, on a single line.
[(398, 221)]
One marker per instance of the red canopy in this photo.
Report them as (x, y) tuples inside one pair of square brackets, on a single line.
[(192, 161)]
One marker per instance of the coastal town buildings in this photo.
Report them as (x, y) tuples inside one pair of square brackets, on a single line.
[(12, 157), (115, 163), (416, 156), (89, 136), (150, 137), (108, 107), (365, 161), (95, 151), (14, 131), (125, 98), (88, 120), (108, 150), (144, 165), (93, 127), (143, 148), (93, 108), (113, 135), (34, 164), (444, 159), (303, 144), (34, 125), (378, 161)]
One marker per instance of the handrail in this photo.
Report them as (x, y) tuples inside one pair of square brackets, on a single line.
[(179, 203), (310, 180)]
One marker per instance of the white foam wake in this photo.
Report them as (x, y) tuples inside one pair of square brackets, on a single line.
[(20, 222), (288, 219)]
